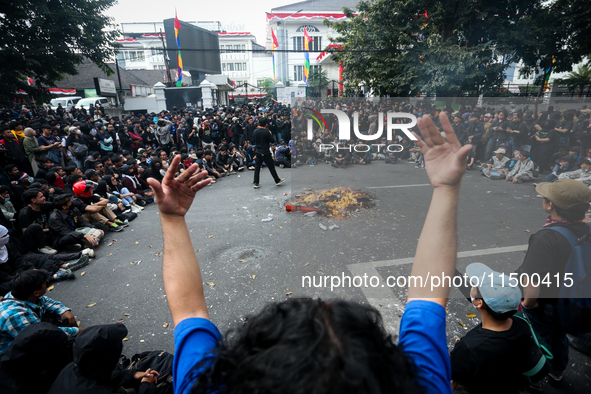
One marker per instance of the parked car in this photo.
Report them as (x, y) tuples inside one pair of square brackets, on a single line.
[(66, 102), (94, 101)]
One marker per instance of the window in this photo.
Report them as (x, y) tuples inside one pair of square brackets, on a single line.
[(141, 56), (316, 46), (222, 49), (243, 66), (243, 48), (260, 83), (298, 73), (237, 48), (155, 67), (132, 55), (230, 66), (298, 43), (153, 51), (238, 66), (223, 66), (161, 67), (319, 68)]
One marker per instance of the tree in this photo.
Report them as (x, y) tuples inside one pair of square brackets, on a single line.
[(46, 39), (449, 47), (269, 86), (578, 79), (555, 36), (317, 82)]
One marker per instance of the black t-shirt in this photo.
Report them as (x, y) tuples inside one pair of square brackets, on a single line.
[(28, 216), (262, 140), (547, 255), (486, 361)]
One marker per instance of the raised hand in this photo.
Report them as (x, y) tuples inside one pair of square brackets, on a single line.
[(445, 161), (174, 196)]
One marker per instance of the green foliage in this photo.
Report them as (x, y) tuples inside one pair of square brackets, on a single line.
[(455, 47), (317, 82), (578, 79), (46, 39), (269, 86)]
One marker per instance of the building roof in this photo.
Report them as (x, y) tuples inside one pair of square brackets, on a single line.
[(318, 5), (87, 71)]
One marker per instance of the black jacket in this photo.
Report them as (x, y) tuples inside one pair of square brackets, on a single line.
[(21, 368), (262, 140), (60, 226), (96, 354)]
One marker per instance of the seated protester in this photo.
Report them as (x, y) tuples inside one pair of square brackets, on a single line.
[(582, 175), (342, 157), (69, 170), (523, 170), (224, 162), (312, 152), (44, 165), (32, 344), (72, 179), (346, 338), (115, 204), (237, 157), (17, 259), (137, 186), (575, 152), (54, 179), (69, 230), (155, 170), (209, 166), (566, 165), (362, 157), (91, 160), (250, 156), (116, 189), (92, 175), (5, 204), (94, 208), (115, 168), (492, 357), (143, 163), (26, 304), (99, 167), (498, 166), (33, 220), (94, 369)]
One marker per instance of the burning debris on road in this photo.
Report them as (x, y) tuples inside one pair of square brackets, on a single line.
[(338, 202)]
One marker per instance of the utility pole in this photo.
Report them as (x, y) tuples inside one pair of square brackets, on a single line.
[(119, 79), (169, 83)]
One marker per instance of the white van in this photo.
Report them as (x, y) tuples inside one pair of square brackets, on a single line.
[(94, 101), (66, 102)]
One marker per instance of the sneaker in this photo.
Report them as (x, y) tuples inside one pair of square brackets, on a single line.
[(134, 209), (81, 262), (536, 183), (241, 168), (89, 252), (141, 203), (74, 247), (122, 224), (536, 386), (115, 228), (257, 186), (212, 181), (63, 274), (281, 166), (555, 379), (232, 172), (581, 343), (251, 168), (281, 182), (47, 250)]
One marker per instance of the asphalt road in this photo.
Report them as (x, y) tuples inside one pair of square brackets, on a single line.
[(248, 263)]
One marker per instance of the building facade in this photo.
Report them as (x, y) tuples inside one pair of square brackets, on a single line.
[(288, 24)]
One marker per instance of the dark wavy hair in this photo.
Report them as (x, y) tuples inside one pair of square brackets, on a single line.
[(305, 346)]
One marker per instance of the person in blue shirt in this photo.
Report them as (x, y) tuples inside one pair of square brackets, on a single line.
[(305, 345)]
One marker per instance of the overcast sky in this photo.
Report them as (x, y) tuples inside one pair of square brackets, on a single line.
[(233, 14)]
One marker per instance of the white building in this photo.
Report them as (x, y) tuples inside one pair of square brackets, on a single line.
[(288, 23), (244, 62)]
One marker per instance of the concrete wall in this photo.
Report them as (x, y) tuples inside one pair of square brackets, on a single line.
[(150, 104)]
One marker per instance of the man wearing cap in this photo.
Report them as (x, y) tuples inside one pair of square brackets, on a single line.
[(566, 202), (492, 356), (498, 166)]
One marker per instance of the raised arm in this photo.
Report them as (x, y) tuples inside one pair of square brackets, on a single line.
[(445, 162), (180, 269)]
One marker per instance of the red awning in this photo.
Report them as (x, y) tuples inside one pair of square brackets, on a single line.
[(335, 46)]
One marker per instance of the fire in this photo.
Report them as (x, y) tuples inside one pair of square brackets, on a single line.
[(337, 202)]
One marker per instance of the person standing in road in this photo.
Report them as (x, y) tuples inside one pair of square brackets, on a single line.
[(262, 140)]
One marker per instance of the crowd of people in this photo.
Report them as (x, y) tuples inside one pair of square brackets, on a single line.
[(507, 143), (68, 179)]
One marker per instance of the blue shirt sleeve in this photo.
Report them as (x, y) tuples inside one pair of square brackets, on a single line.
[(423, 340), (194, 338)]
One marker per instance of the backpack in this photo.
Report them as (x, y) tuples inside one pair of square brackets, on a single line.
[(79, 149), (230, 133), (574, 303), (539, 357)]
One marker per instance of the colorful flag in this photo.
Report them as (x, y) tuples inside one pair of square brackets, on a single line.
[(179, 59), (273, 46), (307, 39)]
